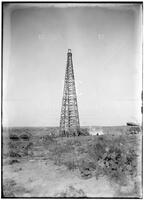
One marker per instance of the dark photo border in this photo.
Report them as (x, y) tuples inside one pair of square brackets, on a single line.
[(3, 4)]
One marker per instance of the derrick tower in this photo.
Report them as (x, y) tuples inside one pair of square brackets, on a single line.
[(69, 122)]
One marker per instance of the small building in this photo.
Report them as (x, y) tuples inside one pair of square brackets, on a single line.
[(133, 128), (132, 124)]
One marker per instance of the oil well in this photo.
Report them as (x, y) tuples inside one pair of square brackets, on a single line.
[(69, 120)]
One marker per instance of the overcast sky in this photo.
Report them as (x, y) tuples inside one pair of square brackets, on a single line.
[(106, 47)]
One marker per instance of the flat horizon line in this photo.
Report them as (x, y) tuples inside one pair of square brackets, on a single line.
[(58, 126)]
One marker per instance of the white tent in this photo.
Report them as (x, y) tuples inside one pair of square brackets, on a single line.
[(94, 131)]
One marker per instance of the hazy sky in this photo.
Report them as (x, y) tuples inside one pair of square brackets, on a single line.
[(106, 47)]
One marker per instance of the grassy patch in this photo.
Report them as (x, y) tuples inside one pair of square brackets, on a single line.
[(115, 157), (71, 192), (11, 189)]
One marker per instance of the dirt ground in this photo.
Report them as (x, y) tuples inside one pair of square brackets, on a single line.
[(40, 178)]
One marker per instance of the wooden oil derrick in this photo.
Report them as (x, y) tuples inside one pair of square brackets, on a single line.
[(69, 121)]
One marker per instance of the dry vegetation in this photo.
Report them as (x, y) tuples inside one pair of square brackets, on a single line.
[(113, 156), (98, 156), (71, 192)]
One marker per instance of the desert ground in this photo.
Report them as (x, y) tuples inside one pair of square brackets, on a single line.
[(39, 163)]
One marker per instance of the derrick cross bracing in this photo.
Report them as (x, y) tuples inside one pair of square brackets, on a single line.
[(69, 122)]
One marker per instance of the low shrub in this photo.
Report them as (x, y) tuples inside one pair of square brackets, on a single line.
[(118, 163), (13, 161), (87, 167), (25, 137), (14, 154), (12, 189), (47, 139), (70, 164), (134, 130), (97, 149), (114, 157), (14, 137), (8, 186), (71, 192), (83, 132), (20, 149)]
